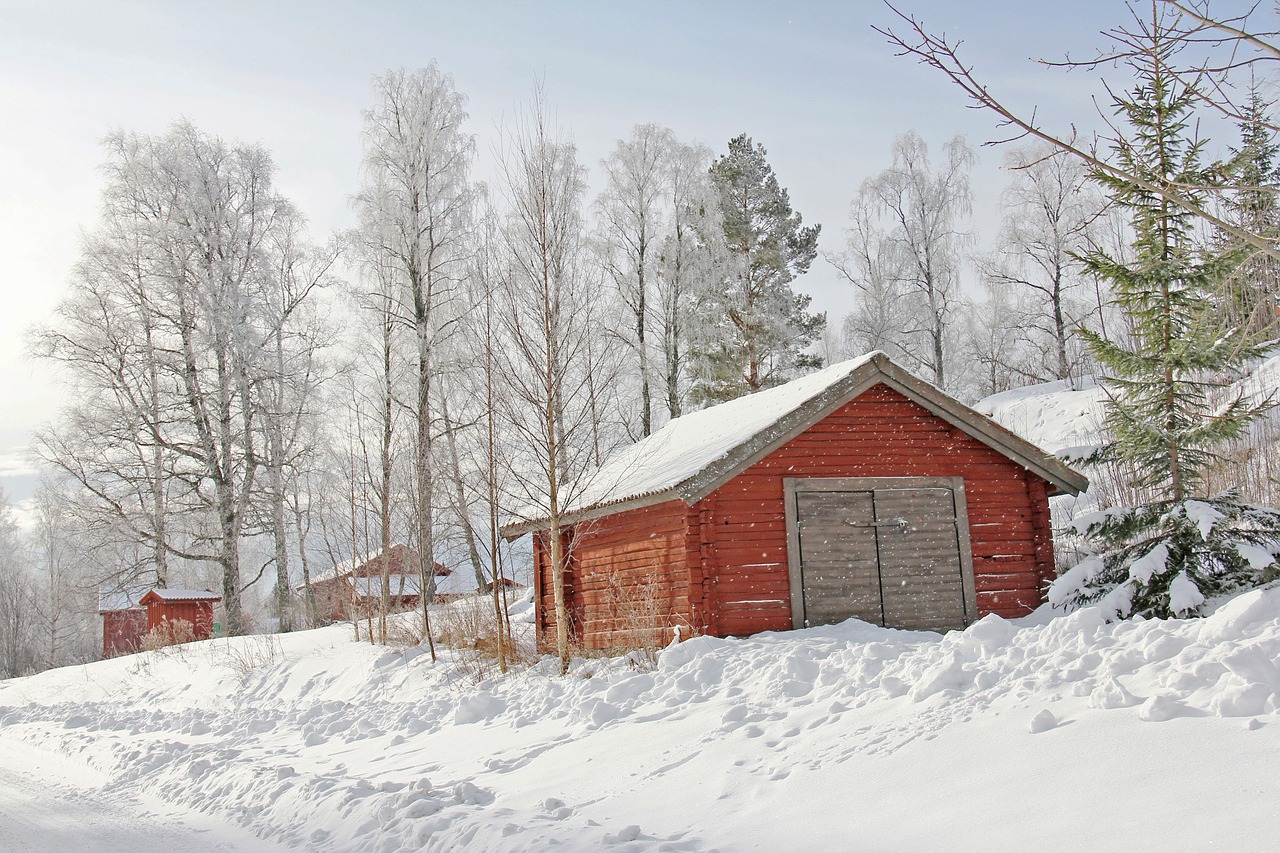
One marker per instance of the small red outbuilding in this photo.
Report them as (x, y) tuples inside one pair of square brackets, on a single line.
[(124, 620), (167, 606), (857, 491)]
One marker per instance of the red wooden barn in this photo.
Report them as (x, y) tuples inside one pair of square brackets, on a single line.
[(124, 621), (857, 491), (166, 606)]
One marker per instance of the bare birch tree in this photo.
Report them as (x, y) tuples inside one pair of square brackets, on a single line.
[(1224, 45), (416, 207), (379, 365), (546, 332)]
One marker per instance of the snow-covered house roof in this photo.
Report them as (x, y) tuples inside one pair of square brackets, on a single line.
[(120, 598), (335, 571), (401, 561), (448, 582), (180, 595), (695, 454)]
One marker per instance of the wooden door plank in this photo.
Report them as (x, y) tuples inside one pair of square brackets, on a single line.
[(838, 562)]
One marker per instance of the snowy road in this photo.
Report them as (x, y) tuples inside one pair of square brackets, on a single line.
[(48, 803)]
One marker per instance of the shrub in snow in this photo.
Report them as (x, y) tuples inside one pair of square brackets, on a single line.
[(175, 632), (1167, 558)]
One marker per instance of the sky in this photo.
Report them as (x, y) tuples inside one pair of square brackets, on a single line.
[(814, 84)]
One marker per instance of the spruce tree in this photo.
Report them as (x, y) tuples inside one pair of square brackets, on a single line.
[(1162, 410), (1169, 409), (1249, 297), (758, 327)]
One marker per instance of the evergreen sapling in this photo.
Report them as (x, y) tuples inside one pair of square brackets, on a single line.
[(1168, 409)]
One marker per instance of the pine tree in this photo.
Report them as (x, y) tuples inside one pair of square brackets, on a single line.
[(1166, 406), (758, 327)]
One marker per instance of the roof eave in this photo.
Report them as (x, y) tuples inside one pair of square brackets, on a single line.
[(878, 369), (516, 529), (1048, 467)]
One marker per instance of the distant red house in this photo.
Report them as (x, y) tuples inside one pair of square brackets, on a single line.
[(195, 606), (344, 592), (124, 621), (859, 491)]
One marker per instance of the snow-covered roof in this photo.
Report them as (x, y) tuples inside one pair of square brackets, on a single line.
[(126, 598), (447, 583), (402, 558), (693, 455), (686, 445), (171, 594), (334, 571)]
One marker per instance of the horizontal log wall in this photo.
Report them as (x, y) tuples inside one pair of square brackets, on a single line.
[(627, 584), (741, 531)]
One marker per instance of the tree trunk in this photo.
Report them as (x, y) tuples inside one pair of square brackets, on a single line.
[(460, 494), (426, 556)]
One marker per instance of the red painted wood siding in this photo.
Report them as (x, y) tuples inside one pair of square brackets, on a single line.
[(198, 613), (627, 583), (122, 631), (740, 528)]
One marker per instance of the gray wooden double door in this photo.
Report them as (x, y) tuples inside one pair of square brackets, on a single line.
[(890, 551)]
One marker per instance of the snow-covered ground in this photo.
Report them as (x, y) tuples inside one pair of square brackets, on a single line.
[(1048, 734)]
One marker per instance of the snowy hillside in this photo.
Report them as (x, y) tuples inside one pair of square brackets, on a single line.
[(1054, 416), (1054, 734), (1067, 421)]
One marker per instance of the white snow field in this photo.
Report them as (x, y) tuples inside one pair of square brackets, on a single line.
[(1049, 733)]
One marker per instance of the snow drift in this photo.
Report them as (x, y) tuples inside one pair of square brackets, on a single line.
[(1046, 733)]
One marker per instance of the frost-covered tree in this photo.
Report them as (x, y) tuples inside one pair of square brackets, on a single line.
[(757, 329), (66, 601), (685, 266), (1051, 210), (905, 250), (288, 394), (649, 217), (19, 599), (632, 214), (994, 342), (871, 264), (1249, 297), (167, 335)]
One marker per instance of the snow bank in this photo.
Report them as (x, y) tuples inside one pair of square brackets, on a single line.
[(1047, 733)]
